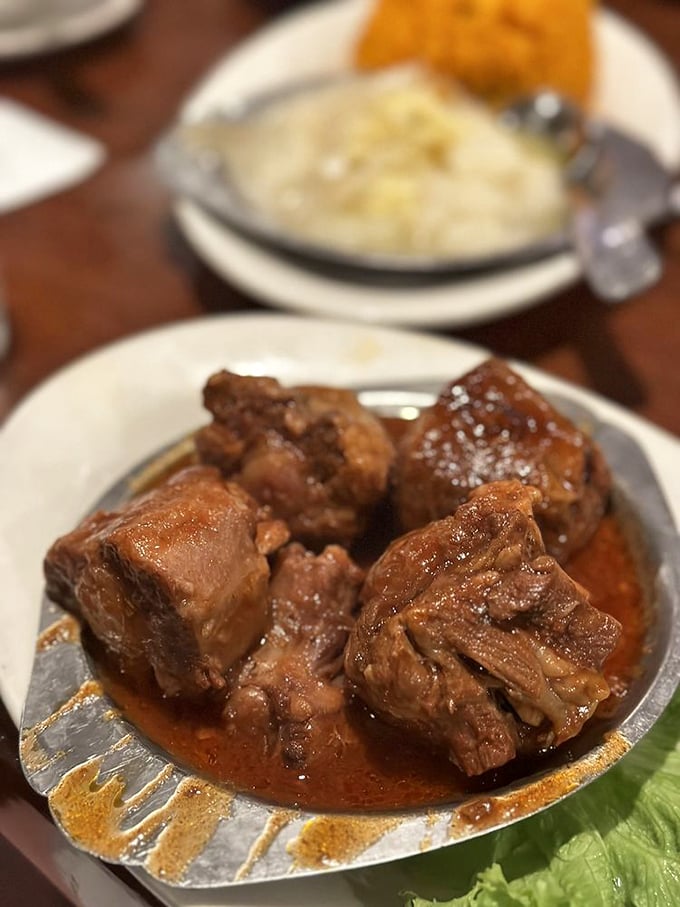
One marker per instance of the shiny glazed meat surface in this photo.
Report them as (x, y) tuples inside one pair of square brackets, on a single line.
[(177, 578), (488, 426), (469, 634)]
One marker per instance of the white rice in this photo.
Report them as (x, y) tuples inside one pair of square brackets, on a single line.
[(398, 164)]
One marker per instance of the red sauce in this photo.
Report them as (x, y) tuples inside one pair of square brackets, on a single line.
[(378, 767), (606, 568)]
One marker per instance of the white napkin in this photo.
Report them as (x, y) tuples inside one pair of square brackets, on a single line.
[(39, 157)]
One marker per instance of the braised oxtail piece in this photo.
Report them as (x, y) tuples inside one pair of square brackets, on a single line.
[(289, 691), (317, 457), (491, 426), (474, 638), (176, 579)]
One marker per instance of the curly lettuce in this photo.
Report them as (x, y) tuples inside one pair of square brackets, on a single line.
[(614, 844)]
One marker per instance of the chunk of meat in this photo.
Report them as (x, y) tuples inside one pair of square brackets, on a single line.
[(287, 690), (314, 454), (176, 578), (490, 426), (469, 631)]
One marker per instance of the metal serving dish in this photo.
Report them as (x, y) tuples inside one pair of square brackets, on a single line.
[(198, 173), (121, 798), (202, 175)]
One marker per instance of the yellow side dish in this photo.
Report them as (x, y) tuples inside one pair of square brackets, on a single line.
[(498, 49)]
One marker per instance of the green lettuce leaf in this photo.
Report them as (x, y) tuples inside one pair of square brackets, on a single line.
[(614, 844)]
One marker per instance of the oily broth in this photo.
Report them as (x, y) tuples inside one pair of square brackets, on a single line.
[(370, 765)]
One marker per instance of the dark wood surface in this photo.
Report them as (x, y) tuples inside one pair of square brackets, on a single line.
[(104, 260)]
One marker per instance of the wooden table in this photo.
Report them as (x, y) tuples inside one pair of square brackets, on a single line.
[(104, 260)]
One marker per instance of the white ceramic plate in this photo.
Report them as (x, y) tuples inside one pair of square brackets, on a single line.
[(94, 420), (55, 24), (635, 90)]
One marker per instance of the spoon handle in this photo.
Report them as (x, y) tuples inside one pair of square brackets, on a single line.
[(617, 257)]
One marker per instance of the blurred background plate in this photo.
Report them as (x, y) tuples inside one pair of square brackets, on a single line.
[(635, 90), (29, 27)]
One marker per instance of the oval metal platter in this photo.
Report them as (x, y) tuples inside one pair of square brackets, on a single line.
[(119, 797)]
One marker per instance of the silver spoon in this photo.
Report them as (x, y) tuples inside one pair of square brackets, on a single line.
[(616, 255)]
